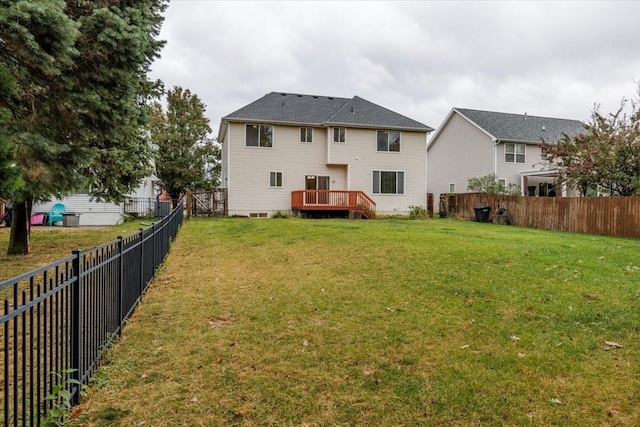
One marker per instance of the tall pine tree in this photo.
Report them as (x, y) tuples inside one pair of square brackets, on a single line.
[(78, 113)]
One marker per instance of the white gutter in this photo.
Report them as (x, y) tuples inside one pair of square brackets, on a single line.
[(228, 177), (426, 164), (329, 145)]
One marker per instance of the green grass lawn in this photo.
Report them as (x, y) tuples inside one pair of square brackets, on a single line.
[(49, 244), (379, 323)]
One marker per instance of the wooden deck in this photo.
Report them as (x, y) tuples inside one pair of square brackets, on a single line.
[(333, 200)]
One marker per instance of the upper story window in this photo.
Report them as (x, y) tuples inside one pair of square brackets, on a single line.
[(259, 136), (514, 153), (306, 134), (339, 134), (389, 140)]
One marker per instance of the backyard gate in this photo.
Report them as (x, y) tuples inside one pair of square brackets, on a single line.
[(209, 203)]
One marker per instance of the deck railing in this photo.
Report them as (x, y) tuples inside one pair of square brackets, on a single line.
[(331, 200)]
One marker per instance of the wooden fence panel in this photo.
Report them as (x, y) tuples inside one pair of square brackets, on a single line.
[(610, 216)]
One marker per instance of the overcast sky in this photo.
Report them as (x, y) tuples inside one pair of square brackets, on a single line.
[(417, 58)]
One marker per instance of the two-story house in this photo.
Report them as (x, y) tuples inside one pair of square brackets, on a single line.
[(475, 143), (287, 152)]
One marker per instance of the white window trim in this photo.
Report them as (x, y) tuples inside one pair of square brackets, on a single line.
[(515, 153), (380, 193), (333, 135), (452, 185), (273, 136), (281, 178), (300, 134), (387, 150)]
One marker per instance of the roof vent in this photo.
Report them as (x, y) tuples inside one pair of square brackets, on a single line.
[(544, 128), (352, 111), (283, 103), (315, 97)]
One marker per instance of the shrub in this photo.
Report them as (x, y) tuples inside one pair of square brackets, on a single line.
[(417, 212)]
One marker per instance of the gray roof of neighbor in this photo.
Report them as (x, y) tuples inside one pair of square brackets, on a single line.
[(522, 127), (291, 108)]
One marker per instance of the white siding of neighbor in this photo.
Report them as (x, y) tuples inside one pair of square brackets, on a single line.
[(350, 166), (511, 171), (91, 213), (224, 170), (462, 151), (96, 213)]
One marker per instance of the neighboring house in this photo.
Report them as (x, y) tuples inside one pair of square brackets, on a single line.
[(475, 143), (288, 152), (101, 213)]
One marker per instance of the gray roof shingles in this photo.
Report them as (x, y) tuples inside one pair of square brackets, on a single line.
[(522, 127), (291, 108)]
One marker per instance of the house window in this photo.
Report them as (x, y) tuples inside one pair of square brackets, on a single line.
[(503, 182), (388, 140), (275, 179), (388, 182), (514, 153), (339, 134), (452, 188), (306, 134), (259, 136)]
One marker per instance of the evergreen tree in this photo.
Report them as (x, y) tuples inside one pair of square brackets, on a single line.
[(187, 158), (78, 113)]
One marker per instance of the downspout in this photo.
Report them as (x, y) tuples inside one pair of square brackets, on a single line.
[(227, 141), (426, 163), (328, 145), (495, 156)]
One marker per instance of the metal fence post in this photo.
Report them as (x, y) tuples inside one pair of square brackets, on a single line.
[(153, 228), (120, 283), (76, 326), (141, 243)]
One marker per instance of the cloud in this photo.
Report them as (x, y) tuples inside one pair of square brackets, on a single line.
[(418, 58)]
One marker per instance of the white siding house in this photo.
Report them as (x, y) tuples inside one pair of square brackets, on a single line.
[(98, 213), (475, 143), (284, 143)]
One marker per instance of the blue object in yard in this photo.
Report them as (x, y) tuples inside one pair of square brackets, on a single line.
[(55, 214)]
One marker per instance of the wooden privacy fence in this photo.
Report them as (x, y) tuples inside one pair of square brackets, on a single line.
[(610, 216)]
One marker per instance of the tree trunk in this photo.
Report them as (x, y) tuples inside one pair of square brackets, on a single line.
[(19, 242)]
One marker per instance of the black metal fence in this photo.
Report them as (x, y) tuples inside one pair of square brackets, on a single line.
[(57, 321), (141, 207)]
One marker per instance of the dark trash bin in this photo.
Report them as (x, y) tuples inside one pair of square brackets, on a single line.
[(482, 213)]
